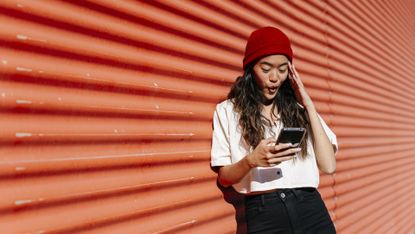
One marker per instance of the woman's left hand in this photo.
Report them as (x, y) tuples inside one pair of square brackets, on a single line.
[(301, 94)]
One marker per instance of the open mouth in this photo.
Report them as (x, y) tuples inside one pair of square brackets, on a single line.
[(272, 90)]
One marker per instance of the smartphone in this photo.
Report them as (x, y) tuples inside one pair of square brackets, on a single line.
[(291, 135)]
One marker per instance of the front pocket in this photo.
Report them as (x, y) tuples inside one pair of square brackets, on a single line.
[(252, 210), (310, 196)]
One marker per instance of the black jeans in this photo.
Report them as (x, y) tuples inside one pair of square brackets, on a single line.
[(299, 210)]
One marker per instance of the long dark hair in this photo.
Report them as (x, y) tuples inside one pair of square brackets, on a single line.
[(247, 97)]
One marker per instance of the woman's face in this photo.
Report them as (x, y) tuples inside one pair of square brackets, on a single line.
[(270, 72)]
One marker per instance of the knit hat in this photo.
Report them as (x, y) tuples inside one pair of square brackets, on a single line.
[(266, 41)]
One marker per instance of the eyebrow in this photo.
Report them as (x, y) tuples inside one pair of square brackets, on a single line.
[(271, 65)]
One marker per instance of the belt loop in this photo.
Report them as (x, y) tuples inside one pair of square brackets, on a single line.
[(296, 193), (262, 200)]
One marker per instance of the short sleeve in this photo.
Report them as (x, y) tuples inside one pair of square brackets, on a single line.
[(220, 153), (330, 134)]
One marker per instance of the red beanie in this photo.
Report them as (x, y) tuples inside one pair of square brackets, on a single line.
[(266, 41)]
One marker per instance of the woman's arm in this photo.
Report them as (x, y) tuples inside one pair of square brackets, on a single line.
[(232, 174), (322, 146), (266, 154)]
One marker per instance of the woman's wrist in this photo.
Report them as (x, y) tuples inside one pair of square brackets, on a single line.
[(249, 160)]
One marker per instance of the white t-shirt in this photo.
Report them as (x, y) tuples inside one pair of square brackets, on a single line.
[(228, 147)]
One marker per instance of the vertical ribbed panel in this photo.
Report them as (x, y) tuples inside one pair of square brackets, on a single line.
[(371, 64), (106, 110)]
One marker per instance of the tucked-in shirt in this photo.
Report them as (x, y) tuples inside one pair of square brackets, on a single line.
[(228, 147)]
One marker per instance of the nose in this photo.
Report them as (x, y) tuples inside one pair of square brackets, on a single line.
[(273, 76)]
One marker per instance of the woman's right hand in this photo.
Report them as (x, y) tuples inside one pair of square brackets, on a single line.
[(267, 154)]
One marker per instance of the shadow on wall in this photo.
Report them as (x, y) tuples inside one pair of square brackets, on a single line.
[(237, 201)]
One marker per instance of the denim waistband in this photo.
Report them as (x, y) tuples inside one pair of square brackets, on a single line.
[(278, 192)]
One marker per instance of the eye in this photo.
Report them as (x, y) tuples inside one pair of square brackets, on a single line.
[(265, 70), (283, 68)]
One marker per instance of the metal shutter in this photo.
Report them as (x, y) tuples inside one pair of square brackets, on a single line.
[(106, 110)]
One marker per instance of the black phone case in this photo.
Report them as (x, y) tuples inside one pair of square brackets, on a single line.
[(291, 135)]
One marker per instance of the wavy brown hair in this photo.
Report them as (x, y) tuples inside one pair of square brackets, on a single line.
[(247, 97)]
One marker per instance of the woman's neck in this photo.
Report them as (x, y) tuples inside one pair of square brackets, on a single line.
[(269, 113)]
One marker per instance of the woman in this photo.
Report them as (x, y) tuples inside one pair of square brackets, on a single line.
[(279, 180)]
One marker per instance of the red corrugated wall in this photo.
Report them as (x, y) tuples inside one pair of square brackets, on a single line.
[(106, 108)]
